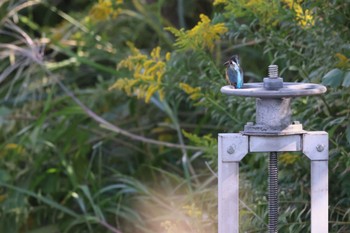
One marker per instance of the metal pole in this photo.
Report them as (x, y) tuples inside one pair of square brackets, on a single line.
[(273, 192), (232, 149), (316, 149)]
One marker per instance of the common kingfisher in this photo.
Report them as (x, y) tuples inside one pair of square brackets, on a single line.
[(234, 72)]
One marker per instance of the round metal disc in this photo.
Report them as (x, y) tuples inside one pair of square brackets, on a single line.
[(289, 90)]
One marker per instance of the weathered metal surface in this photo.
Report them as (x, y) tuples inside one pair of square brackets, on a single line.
[(289, 90), (228, 206), (270, 131), (273, 112), (316, 145), (234, 145), (273, 83), (275, 143), (232, 148), (273, 132), (273, 117), (319, 196)]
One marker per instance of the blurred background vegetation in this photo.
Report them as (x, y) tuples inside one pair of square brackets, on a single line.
[(110, 110)]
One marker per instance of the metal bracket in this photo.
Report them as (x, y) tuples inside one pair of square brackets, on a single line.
[(234, 146), (315, 145), (275, 143)]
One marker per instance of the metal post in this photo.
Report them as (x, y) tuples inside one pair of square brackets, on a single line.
[(316, 148), (232, 148), (319, 196), (228, 197)]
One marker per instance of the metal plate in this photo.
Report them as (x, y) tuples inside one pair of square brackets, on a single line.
[(232, 146), (289, 90), (316, 145), (275, 143)]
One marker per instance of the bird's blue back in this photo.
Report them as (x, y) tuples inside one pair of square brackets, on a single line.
[(235, 75)]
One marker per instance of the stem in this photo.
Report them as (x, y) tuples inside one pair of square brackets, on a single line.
[(180, 13)]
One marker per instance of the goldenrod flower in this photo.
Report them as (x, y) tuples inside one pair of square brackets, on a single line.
[(288, 158), (304, 17), (105, 9), (343, 61), (3, 197), (192, 210), (202, 36), (266, 11), (217, 2), (13, 148), (194, 92), (148, 73)]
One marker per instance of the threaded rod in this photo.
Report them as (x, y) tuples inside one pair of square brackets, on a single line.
[(273, 193), (273, 71)]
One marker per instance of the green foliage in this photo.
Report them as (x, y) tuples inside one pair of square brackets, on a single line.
[(109, 124), (336, 78)]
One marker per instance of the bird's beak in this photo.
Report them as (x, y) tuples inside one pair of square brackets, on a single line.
[(227, 63)]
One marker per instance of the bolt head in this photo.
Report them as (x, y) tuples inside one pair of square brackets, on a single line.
[(320, 148), (230, 150)]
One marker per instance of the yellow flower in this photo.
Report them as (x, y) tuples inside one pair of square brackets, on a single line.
[(3, 197), (266, 11), (217, 2), (147, 72), (203, 35), (167, 56), (192, 210), (194, 92), (12, 148), (105, 9), (343, 61), (304, 17), (288, 158)]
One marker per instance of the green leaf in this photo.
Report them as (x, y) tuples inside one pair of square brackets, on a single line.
[(315, 74), (4, 175), (293, 68), (46, 229), (346, 82), (348, 133), (46, 200), (333, 78)]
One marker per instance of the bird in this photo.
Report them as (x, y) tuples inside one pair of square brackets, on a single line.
[(234, 72)]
